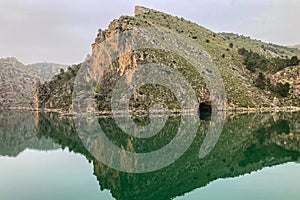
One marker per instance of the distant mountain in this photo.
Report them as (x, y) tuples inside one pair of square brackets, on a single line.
[(16, 83), (46, 70), (297, 46), (17, 80)]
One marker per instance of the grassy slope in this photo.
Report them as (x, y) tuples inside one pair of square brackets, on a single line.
[(237, 80)]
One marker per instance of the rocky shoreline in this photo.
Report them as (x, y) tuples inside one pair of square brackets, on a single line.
[(238, 110)]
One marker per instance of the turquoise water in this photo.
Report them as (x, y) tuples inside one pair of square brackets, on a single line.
[(278, 182), (57, 174), (254, 157)]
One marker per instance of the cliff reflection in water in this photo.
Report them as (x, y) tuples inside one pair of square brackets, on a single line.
[(18, 132), (248, 143)]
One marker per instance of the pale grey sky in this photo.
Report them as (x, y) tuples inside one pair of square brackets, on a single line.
[(62, 31)]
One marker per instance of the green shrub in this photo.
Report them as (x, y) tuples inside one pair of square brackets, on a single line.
[(294, 61), (254, 61), (261, 81), (282, 89)]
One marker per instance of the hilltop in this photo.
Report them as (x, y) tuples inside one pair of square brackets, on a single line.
[(46, 70), (248, 68)]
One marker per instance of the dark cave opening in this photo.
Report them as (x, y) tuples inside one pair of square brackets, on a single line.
[(205, 110), (205, 107)]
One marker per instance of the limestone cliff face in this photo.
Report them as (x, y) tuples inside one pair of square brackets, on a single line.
[(36, 96), (100, 59)]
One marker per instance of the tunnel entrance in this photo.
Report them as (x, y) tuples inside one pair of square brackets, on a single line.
[(205, 110)]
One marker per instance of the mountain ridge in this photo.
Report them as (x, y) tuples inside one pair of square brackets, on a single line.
[(246, 86), (46, 75)]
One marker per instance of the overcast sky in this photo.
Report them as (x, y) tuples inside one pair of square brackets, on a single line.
[(62, 31)]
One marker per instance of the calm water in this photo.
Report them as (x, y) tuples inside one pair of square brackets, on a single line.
[(254, 157)]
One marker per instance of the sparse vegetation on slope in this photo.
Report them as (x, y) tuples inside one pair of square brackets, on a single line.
[(269, 50), (57, 93), (254, 61)]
